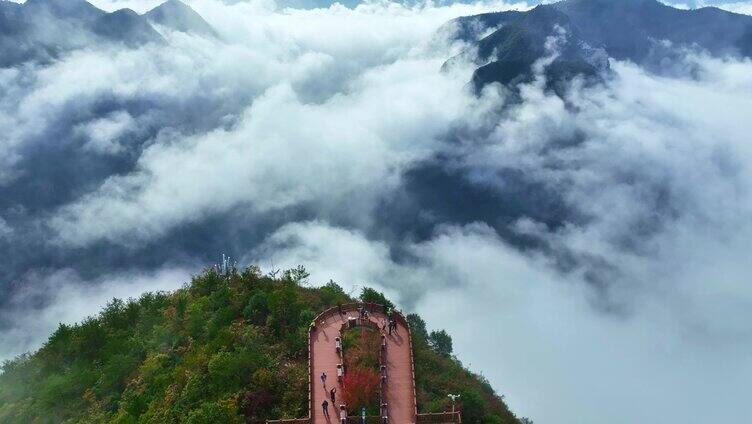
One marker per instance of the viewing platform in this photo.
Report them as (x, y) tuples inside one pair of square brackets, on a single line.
[(397, 369)]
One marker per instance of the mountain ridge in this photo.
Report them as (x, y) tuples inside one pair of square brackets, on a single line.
[(43, 30), (505, 45), (179, 16)]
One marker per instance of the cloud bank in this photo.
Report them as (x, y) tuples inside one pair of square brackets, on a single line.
[(588, 254), (643, 300)]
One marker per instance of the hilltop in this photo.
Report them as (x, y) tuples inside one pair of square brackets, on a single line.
[(228, 349)]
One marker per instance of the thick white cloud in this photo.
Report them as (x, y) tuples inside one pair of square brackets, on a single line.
[(658, 156), (331, 253), (554, 357), (343, 110), (103, 133), (68, 300), (282, 152), (662, 174), (675, 358), (312, 106), (329, 106)]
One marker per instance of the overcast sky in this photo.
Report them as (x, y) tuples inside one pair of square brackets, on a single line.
[(589, 257)]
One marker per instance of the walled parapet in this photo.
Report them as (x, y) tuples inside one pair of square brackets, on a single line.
[(372, 308), (439, 418)]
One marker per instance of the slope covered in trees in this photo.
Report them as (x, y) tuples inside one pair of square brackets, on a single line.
[(219, 350)]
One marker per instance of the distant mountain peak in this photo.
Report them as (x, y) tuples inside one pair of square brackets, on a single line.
[(621, 29), (173, 6), (43, 30), (61, 4), (69, 9), (126, 26), (124, 12), (179, 16)]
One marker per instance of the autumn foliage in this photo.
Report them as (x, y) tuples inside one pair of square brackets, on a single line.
[(361, 381), (360, 388)]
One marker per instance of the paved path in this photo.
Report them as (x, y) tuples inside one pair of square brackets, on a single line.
[(400, 394)]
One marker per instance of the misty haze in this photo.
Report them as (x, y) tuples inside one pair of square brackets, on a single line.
[(550, 201)]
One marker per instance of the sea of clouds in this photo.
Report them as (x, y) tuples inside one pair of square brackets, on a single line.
[(589, 255)]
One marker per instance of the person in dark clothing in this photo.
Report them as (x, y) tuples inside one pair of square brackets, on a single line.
[(333, 394), (325, 407), (339, 308)]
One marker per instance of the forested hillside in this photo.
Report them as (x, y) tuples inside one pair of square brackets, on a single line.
[(223, 349)]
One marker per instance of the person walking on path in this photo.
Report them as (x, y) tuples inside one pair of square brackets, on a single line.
[(342, 414), (323, 378), (333, 394), (325, 407)]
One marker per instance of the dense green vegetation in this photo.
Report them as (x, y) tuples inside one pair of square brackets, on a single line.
[(438, 373), (219, 350)]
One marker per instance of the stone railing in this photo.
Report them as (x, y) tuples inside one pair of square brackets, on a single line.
[(382, 382), (322, 317), (370, 419), (431, 418), (439, 418), (348, 307), (401, 318), (310, 377), (359, 322)]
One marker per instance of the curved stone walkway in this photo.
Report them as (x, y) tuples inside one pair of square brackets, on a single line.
[(400, 393)]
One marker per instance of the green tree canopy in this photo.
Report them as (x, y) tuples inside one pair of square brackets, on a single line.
[(441, 342), (370, 295)]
